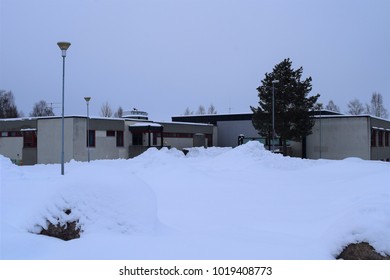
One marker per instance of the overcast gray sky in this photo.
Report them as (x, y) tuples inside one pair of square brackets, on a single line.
[(163, 56)]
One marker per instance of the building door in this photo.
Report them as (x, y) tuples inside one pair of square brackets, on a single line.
[(29, 154)]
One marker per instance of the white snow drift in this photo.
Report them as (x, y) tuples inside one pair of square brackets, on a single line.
[(215, 203)]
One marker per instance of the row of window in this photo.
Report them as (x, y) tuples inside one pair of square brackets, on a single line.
[(380, 138), (91, 140), (30, 137), (209, 137), (11, 134)]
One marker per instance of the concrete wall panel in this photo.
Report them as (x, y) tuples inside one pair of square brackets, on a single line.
[(228, 132), (49, 140), (340, 138), (12, 147)]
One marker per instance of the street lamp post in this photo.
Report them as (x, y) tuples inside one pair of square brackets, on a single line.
[(320, 108), (63, 46), (87, 100), (273, 114)]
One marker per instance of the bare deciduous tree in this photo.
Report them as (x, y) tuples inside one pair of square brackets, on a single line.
[(119, 113), (41, 109), (355, 107), (188, 112), (105, 110), (201, 110), (8, 108), (211, 110), (332, 107), (376, 107)]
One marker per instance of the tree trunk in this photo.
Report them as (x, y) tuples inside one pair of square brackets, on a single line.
[(303, 146), (285, 147)]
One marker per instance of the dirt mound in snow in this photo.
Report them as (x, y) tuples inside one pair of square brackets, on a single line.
[(361, 251), (68, 231)]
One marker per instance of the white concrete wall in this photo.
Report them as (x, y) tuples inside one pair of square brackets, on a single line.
[(178, 143), (296, 149), (80, 139), (215, 136), (340, 138), (105, 146), (49, 140), (11, 147), (228, 132)]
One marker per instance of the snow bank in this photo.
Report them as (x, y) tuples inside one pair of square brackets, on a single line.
[(201, 152), (214, 203), (100, 198)]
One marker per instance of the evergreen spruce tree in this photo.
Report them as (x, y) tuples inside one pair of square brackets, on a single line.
[(292, 106)]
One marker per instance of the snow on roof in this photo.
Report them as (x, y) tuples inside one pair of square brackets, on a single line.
[(18, 119), (145, 124), (189, 123), (210, 115), (380, 128), (350, 116)]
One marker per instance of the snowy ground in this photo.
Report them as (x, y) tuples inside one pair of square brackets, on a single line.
[(216, 203)]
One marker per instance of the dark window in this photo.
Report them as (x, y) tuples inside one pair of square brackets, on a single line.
[(137, 139), (177, 135), (29, 139), (209, 138), (14, 134), (110, 133), (380, 138), (387, 136), (91, 139), (373, 138), (155, 136), (119, 138)]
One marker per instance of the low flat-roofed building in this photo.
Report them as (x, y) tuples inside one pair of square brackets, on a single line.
[(334, 136), (339, 137), (29, 141)]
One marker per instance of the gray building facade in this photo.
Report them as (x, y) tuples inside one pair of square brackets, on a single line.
[(334, 136), (339, 137), (28, 141)]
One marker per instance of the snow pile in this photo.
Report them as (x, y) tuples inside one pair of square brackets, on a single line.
[(105, 201), (214, 203), (201, 152), (156, 157), (125, 205)]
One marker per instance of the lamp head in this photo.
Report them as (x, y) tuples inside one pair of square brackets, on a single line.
[(87, 98), (63, 46)]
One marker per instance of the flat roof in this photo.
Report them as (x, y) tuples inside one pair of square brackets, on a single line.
[(214, 118), (145, 124)]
